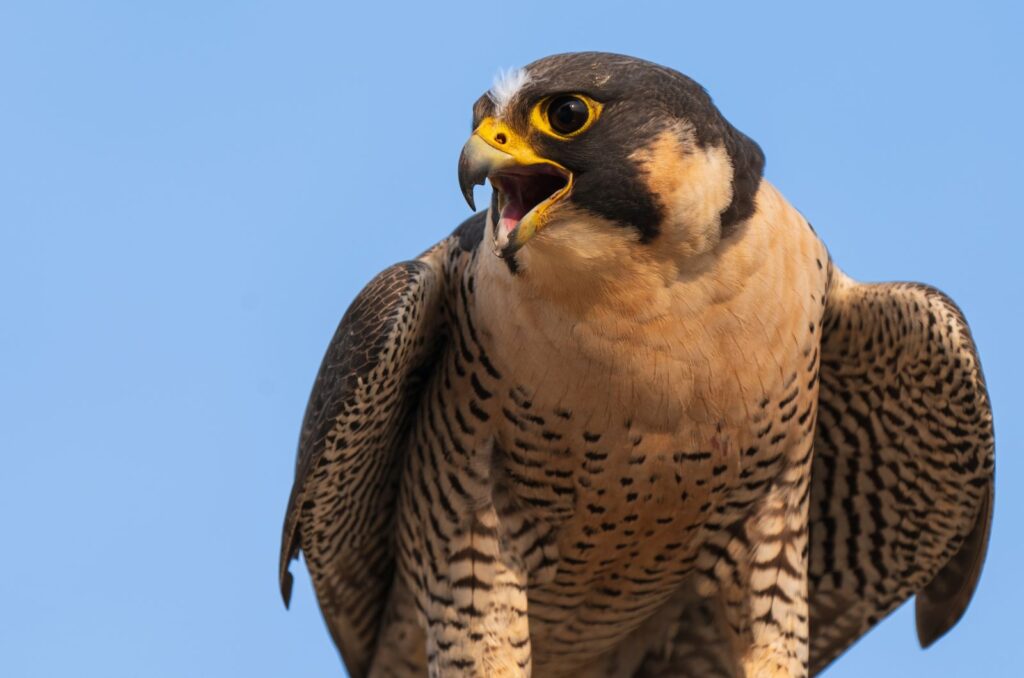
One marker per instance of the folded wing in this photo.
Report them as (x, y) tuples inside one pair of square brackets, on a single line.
[(901, 496), (350, 452)]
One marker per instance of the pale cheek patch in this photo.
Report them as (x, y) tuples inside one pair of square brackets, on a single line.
[(694, 185), (506, 84)]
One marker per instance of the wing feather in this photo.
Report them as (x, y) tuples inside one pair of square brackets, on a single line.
[(350, 451), (904, 464)]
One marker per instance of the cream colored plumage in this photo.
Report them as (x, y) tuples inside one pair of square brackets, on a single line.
[(659, 433)]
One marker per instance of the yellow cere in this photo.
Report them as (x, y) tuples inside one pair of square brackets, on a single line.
[(499, 135)]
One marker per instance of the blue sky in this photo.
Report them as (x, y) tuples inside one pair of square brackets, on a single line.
[(192, 192)]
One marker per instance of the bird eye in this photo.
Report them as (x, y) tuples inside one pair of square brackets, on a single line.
[(567, 114)]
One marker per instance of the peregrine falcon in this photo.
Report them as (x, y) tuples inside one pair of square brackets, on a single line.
[(632, 420)]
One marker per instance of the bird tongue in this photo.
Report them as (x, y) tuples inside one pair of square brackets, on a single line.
[(523, 192), (514, 210)]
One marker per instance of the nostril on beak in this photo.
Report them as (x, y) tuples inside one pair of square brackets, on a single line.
[(500, 137)]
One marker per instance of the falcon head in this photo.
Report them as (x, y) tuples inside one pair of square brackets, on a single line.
[(607, 152)]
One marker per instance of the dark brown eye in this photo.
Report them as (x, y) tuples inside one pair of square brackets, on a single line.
[(567, 114)]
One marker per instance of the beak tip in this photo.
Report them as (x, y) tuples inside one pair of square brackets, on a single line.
[(468, 178)]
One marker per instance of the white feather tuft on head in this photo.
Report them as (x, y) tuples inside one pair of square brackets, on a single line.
[(506, 84)]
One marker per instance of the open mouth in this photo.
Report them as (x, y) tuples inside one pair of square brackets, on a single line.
[(525, 190)]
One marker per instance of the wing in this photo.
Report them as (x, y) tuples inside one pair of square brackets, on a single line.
[(902, 482), (350, 448)]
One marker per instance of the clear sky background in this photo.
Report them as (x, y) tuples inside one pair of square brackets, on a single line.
[(191, 193)]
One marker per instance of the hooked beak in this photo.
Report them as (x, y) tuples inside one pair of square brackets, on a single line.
[(526, 184)]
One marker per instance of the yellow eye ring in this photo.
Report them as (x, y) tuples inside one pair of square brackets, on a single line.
[(564, 116)]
